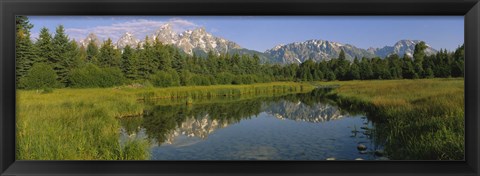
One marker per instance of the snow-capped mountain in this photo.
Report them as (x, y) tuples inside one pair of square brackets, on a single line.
[(190, 41), (127, 39), (200, 42), (195, 40), (316, 50), (165, 34), (90, 37), (319, 50), (299, 111), (400, 48)]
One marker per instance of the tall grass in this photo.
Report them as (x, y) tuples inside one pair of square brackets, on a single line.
[(82, 124), (220, 90), (420, 119)]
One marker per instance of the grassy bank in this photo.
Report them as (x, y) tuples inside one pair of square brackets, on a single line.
[(81, 124), (418, 119)]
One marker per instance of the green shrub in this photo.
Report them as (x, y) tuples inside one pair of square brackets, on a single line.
[(165, 79), (185, 78), (93, 76), (200, 80), (40, 76), (224, 78)]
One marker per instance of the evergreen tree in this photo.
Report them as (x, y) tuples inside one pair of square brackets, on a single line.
[(82, 56), (407, 68), (129, 63), (25, 55), (366, 71), (45, 47), (341, 67), (395, 66), (428, 73), (355, 70), (144, 58), (180, 61), (109, 56), (419, 52), (92, 52), (162, 56), (23, 24), (458, 66), (74, 60), (61, 54)]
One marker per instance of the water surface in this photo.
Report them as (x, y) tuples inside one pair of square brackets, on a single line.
[(291, 127)]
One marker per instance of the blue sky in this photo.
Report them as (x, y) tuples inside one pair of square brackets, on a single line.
[(264, 32)]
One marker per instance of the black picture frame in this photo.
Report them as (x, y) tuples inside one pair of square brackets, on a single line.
[(470, 9)]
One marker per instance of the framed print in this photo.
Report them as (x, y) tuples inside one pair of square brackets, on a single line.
[(239, 87)]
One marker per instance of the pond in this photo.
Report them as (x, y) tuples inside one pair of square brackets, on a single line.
[(304, 126)]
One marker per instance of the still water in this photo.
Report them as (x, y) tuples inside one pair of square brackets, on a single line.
[(290, 127)]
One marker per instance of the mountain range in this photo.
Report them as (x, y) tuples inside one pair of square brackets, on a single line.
[(198, 41)]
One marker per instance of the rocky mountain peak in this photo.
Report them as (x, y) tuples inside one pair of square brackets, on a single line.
[(166, 26), (90, 37), (200, 39), (400, 48), (127, 39), (200, 30), (165, 34), (316, 50)]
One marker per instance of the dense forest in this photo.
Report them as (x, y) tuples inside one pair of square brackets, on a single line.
[(55, 61)]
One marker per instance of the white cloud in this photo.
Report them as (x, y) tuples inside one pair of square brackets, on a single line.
[(138, 27)]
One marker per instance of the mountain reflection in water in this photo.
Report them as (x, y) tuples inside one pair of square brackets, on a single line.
[(260, 128)]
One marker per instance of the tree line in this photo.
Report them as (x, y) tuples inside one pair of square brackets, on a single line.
[(55, 60)]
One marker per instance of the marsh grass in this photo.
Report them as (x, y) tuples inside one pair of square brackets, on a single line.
[(219, 90), (420, 119), (82, 124)]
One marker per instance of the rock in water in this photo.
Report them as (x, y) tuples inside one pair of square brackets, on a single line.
[(361, 147), (379, 152)]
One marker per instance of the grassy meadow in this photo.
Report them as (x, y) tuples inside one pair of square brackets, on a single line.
[(81, 124), (418, 119)]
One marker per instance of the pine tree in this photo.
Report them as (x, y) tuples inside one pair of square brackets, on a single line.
[(44, 46), (366, 71), (162, 57), (109, 56), (25, 52), (144, 58), (23, 24), (128, 63), (419, 52), (92, 52), (341, 67), (458, 66), (82, 55), (355, 69), (62, 57), (407, 68), (75, 56)]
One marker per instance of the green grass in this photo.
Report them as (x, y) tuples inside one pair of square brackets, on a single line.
[(419, 119), (82, 124)]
